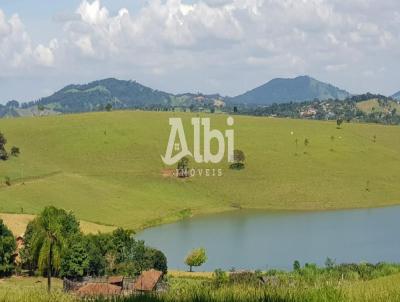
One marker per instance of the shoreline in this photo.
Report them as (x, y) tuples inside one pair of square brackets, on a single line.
[(194, 215)]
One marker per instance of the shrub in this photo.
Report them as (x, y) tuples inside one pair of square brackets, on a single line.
[(14, 151), (183, 167), (108, 107), (238, 160), (296, 266), (220, 277)]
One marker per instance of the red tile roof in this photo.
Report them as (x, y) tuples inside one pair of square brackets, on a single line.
[(115, 279), (148, 280), (99, 289)]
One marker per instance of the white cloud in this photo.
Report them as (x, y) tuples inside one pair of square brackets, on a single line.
[(16, 49), (44, 55), (174, 45), (336, 67), (158, 24), (93, 13)]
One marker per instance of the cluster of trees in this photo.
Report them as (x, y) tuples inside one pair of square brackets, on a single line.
[(4, 155), (55, 246), (7, 250)]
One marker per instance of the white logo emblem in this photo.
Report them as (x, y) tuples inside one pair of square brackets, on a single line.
[(177, 131)]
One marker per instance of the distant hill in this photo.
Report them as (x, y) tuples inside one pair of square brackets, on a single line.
[(97, 94), (396, 96), (303, 88), (120, 94)]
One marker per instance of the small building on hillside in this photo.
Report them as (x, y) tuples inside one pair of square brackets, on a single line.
[(148, 280)]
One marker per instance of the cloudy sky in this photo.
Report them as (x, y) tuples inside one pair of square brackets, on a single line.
[(225, 46)]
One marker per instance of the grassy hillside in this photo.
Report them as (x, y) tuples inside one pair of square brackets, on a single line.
[(107, 168), (373, 105), (17, 224)]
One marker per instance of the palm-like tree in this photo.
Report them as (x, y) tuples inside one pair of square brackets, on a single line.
[(48, 241)]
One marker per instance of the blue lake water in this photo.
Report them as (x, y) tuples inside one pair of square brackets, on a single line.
[(248, 239)]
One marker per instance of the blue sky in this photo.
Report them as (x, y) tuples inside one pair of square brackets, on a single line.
[(225, 46)]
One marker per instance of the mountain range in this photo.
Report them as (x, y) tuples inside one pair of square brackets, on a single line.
[(123, 94)]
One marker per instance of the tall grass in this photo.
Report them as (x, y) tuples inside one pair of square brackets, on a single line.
[(34, 295), (350, 282), (240, 294)]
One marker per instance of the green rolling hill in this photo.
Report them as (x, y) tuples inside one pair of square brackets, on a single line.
[(107, 168), (302, 88)]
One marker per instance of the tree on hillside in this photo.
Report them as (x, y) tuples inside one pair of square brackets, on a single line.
[(108, 107), (7, 250), (339, 123), (50, 231), (296, 266), (183, 167), (196, 257), (3, 152), (238, 160), (14, 151)]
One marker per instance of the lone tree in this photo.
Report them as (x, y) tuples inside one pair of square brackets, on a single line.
[(238, 160), (339, 123), (196, 257), (108, 107), (14, 151), (7, 250), (296, 266), (3, 152), (183, 167)]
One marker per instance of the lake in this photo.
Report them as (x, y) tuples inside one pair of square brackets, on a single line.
[(247, 239)]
